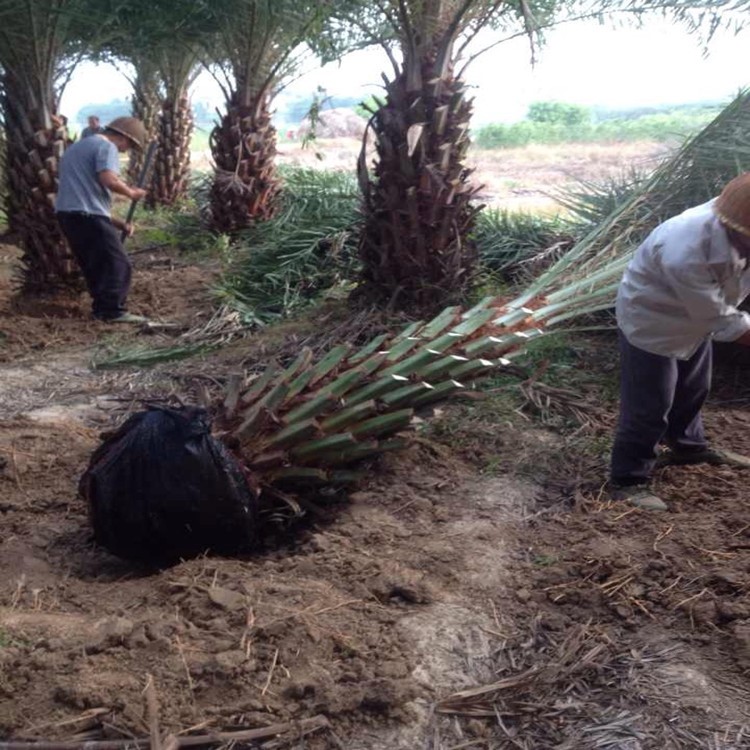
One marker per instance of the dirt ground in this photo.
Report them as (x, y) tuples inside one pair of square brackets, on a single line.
[(478, 591)]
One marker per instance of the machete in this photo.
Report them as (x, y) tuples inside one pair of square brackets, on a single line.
[(141, 181)]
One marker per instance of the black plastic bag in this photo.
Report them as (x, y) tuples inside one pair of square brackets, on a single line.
[(162, 488)]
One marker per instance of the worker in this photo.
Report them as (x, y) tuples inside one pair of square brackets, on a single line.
[(94, 127), (679, 293), (89, 174)]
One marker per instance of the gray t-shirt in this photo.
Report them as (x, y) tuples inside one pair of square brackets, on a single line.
[(80, 189)]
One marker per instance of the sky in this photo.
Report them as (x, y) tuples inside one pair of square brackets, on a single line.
[(581, 63)]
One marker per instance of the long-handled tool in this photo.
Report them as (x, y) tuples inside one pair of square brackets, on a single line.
[(140, 183)]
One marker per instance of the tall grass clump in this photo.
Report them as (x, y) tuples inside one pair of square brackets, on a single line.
[(308, 248), (509, 241)]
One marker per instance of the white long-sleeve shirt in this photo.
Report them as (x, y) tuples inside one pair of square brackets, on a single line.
[(683, 286)]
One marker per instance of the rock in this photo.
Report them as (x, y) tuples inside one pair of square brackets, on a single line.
[(523, 595), (226, 598), (111, 631), (228, 661), (733, 610)]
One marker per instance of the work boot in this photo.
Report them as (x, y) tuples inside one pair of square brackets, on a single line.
[(715, 456), (639, 495), (125, 317)]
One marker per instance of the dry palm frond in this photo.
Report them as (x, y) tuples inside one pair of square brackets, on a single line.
[(224, 326)]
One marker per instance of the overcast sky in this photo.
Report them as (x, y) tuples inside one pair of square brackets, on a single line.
[(581, 63)]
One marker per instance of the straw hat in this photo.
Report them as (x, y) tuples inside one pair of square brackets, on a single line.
[(733, 205), (131, 127)]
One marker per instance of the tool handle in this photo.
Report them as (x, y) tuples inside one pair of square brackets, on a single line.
[(140, 182)]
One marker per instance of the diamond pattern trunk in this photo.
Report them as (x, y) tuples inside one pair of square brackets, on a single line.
[(311, 422), (145, 105), (416, 246), (33, 149), (246, 184), (172, 163)]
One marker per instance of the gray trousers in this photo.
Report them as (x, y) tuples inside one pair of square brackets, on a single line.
[(660, 401)]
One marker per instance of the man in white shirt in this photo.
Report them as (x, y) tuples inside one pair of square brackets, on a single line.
[(680, 291)]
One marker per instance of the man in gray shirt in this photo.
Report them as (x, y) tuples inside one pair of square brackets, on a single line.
[(94, 127), (89, 174)]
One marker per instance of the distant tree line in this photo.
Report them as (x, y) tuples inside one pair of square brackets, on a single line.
[(557, 122)]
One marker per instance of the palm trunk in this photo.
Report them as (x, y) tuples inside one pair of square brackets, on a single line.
[(145, 105), (246, 184), (172, 164), (416, 245), (34, 146)]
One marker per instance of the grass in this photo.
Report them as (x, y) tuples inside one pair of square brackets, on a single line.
[(501, 431)]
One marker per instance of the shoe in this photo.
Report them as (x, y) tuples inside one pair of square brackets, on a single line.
[(715, 456), (125, 317), (640, 496)]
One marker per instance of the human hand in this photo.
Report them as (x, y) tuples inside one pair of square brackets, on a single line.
[(129, 228), (137, 194)]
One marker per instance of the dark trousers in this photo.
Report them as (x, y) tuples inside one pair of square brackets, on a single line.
[(660, 401), (96, 245)]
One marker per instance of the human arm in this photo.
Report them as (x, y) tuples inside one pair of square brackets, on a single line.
[(107, 167), (123, 226), (704, 299), (111, 181)]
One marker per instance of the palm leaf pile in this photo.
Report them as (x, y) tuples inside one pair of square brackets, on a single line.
[(307, 249)]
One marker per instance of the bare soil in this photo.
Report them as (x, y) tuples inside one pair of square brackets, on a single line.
[(479, 590), (516, 178)]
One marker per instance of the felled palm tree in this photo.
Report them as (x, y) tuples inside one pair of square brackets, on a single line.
[(258, 45), (310, 424), (41, 41)]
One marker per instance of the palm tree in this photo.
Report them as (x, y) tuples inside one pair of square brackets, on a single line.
[(418, 208), (145, 106), (416, 246), (178, 68), (160, 43), (40, 43), (259, 44)]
